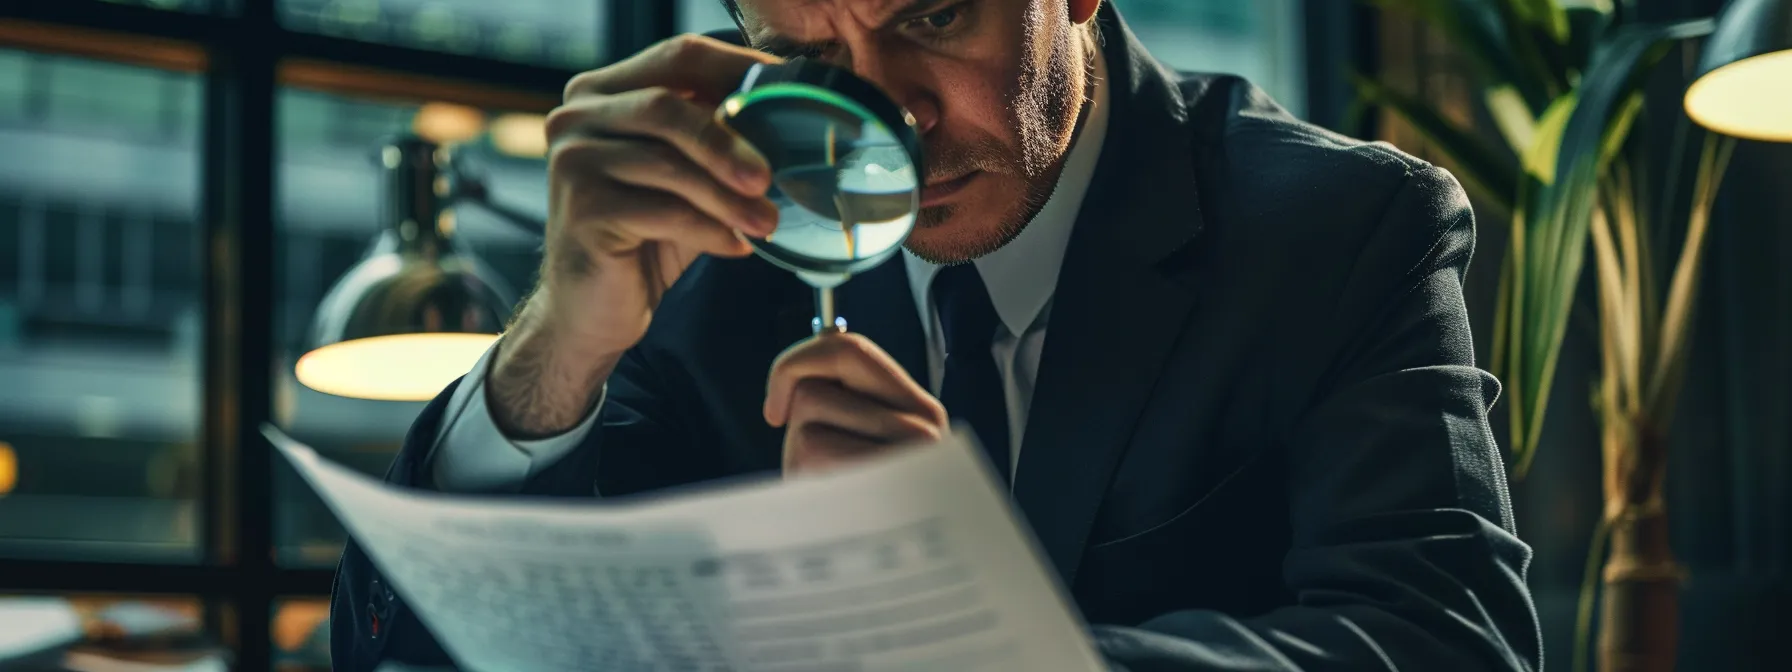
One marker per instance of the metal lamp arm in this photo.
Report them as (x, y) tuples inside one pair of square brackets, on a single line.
[(468, 186), (471, 190)]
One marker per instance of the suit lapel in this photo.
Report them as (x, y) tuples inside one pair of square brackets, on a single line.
[(1122, 301)]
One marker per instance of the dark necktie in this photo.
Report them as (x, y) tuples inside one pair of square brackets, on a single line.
[(972, 387)]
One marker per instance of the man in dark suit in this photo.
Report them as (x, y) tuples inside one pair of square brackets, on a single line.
[(1255, 438)]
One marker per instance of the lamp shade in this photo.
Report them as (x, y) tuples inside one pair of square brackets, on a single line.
[(1743, 85), (418, 310)]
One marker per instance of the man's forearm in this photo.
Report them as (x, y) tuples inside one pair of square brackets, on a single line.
[(544, 381)]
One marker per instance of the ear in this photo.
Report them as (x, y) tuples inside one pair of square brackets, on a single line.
[(1083, 11)]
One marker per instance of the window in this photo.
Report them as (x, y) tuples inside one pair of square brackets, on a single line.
[(180, 5), (328, 203), (561, 33), (1259, 40), (702, 16), (158, 270), (100, 310)]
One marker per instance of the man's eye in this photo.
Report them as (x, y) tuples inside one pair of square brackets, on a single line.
[(813, 51), (944, 23)]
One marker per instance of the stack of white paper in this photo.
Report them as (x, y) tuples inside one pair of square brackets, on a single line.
[(915, 562)]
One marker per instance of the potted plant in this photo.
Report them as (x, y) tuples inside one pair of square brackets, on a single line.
[(1564, 85)]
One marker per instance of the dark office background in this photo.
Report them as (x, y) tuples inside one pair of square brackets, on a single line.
[(181, 180)]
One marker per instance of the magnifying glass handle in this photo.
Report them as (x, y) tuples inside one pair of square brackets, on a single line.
[(825, 319)]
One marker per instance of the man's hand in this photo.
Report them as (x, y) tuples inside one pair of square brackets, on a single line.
[(845, 399), (642, 180)]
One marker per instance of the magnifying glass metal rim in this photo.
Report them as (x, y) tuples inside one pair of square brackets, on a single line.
[(813, 80), (795, 263)]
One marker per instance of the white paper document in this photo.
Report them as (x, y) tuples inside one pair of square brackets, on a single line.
[(914, 562)]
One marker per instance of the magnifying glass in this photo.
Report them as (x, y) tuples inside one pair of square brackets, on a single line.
[(846, 171)]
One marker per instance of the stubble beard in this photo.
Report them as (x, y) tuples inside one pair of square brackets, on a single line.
[(1043, 106)]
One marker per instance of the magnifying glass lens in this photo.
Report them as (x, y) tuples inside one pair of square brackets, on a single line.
[(846, 185), (846, 171), (857, 207)]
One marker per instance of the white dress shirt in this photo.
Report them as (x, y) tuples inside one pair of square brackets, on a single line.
[(473, 455)]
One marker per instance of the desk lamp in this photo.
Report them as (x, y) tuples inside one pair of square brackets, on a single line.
[(420, 308), (1743, 85)]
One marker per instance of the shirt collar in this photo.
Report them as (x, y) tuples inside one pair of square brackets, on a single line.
[(1022, 275)]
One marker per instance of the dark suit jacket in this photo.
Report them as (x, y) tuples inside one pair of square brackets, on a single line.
[(1258, 439)]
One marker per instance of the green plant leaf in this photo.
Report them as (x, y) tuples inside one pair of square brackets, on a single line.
[(1649, 310), (1554, 216), (1586, 29), (1565, 53), (1625, 225), (1589, 589), (1676, 323), (1526, 254), (1547, 15), (1534, 44), (1618, 129), (1511, 115), (1480, 166), (1540, 158)]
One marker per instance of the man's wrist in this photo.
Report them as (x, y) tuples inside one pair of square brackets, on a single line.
[(544, 381)]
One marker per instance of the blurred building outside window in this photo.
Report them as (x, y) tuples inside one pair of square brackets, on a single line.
[(558, 33), (180, 5), (100, 310), (1259, 40), (702, 16)]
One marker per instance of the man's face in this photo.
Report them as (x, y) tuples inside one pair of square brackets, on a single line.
[(994, 86)]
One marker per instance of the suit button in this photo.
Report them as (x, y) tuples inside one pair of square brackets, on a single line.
[(379, 608)]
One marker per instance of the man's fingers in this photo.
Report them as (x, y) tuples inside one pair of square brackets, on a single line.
[(706, 66), (617, 218), (825, 402), (855, 363), (656, 165), (818, 447), (659, 112), (658, 216)]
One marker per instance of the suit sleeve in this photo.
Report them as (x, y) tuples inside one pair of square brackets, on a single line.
[(369, 624), (1403, 553)]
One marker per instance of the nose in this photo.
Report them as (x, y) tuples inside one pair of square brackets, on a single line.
[(906, 85), (925, 108)]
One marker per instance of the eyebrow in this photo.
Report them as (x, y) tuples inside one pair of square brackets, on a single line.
[(780, 45)]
